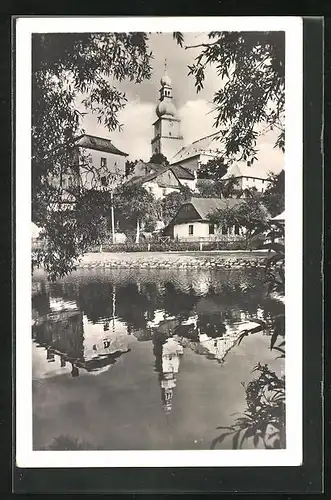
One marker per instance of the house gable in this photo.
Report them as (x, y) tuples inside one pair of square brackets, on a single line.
[(186, 213), (167, 179)]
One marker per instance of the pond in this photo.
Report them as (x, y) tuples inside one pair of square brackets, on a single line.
[(145, 359)]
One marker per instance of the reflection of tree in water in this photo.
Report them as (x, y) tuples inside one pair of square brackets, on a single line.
[(40, 300), (178, 303), (95, 300), (211, 325), (63, 333)]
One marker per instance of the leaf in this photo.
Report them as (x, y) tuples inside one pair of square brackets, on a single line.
[(246, 434), (179, 37), (219, 440), (236, 439), (256, 440), (273, 339)]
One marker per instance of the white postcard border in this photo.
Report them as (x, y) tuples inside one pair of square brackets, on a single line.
[(292, 455)]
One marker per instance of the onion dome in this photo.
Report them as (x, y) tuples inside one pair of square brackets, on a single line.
[(165, 108), (165, 81)]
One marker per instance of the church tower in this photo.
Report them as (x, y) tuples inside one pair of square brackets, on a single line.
[(167, 138)]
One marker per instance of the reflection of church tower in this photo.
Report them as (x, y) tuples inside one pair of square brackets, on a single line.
[(167, 138), (167, 363)]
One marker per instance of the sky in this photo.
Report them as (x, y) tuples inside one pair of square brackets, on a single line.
[(194, 110)]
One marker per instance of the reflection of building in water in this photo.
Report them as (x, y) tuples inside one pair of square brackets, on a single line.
[(171, 350), (100, 342), (67, 333), (218, 347)]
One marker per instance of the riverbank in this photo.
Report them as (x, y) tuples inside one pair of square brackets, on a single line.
[(236, 259)]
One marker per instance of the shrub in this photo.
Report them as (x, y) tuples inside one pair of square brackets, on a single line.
[(171, 246)]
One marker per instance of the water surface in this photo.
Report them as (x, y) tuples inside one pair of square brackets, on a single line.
[(144, 359)]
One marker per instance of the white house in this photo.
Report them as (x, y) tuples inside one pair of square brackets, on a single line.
[(100, 153), (191, 223), (163, 180), (247, 177)]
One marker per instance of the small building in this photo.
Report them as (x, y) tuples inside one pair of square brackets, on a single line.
[(185, 176), (248, 177), (97, 152), (198, 153), (163, 180), (191, 223)]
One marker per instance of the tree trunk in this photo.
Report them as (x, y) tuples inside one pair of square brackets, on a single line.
[(138, 231)]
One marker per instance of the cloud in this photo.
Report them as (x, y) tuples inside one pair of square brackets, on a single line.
[(197, 120), (135, 137)]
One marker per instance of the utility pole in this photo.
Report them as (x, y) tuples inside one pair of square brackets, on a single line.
[(112, 216)]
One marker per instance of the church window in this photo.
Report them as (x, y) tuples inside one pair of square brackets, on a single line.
[(103, 162), (190, 229), (211, 229)]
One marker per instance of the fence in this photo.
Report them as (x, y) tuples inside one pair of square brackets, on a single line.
[(177, 246)]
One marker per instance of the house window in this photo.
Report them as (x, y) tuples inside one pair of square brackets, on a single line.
[(190, 229), (169, 133), (104, 180), (262, 181), (224, 230), (103, 162), (236, 229), (211, 229)]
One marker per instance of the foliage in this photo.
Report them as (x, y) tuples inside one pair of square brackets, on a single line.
[(274, 196), (73, 72), (252, 68), (264, 418), (159, 159), (130, 167), (249, 214), (229, 188), (165, 245), (135, 206), (208, 189), (214, 169), (171, 202), (69, 229), (275, 266)]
